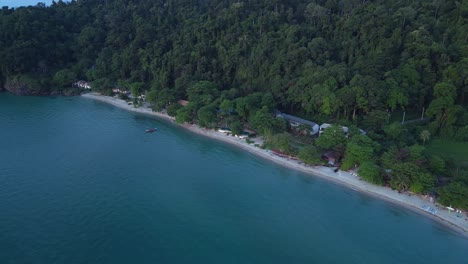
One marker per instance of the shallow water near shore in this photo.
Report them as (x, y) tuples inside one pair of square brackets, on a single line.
[(80, 182)]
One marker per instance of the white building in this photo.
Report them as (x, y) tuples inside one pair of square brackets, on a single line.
[(82, 85), (345, 129)]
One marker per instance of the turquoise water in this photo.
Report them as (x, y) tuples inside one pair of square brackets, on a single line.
[(80, 182)]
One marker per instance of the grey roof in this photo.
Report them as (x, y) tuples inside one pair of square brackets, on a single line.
[(296, 119)]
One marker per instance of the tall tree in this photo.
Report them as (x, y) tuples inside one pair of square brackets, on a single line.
[(443, 108)]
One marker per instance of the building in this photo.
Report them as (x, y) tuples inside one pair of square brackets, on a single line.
[(345, 129), (250, 133), (326, 125), (142, 97), (329, 157), (82, 85), (225, 130), (295, 122), (183, 102), (243, 135)]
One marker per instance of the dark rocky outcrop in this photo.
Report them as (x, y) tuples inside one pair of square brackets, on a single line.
[(20, 87), (34, 88), (67, 92)]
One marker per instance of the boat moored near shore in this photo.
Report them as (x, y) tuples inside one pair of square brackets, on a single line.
[(151, 130)]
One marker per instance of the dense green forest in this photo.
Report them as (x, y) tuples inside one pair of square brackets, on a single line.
[(357, 63)]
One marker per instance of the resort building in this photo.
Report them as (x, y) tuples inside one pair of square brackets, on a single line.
[(345, 129), (329, 157), (295, 122), (82, 85), (245, 133), (142, 97), (183, 102), (225, 130), (326, 125)]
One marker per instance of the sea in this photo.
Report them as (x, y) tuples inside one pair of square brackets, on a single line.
[(81, 182)]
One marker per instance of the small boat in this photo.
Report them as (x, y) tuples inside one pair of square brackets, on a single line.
[(151, 130)]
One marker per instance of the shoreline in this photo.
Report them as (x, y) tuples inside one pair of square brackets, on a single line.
[(410, 201)]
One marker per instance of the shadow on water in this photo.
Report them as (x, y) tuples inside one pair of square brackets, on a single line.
[(443, 230), (307, 179), (397, 210)]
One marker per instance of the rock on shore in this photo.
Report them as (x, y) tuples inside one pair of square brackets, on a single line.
[(18, 87)]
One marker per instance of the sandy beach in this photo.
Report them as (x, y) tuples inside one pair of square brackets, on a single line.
[(419, 204)]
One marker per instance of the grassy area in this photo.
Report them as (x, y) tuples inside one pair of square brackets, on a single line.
[(458, 151)]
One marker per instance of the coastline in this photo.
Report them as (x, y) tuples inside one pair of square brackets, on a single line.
[(413, 202)]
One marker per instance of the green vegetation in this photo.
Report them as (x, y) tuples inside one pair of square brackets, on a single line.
[(457, 151), (359, 149), (347, 62), (310, 155), (281, 142), (332, 137), (370, 172), (173, 108), (454, 194)]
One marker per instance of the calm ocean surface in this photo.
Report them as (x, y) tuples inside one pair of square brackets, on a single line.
[(80, 182)]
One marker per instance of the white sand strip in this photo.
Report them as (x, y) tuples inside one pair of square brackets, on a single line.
[(414, 202)]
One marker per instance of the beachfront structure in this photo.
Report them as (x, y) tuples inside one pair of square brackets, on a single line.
[(142, 97), (118, 91), (224, 130), (345, 129), (330, 157), (295, 121), (250, 133), (326, 125), (183, 102), (82, 85), (245, 133)]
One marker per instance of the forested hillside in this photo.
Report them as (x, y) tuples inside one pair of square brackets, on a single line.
[(352, 62)]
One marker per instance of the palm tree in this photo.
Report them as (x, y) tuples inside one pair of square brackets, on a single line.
[(425, 135), (400, 181)]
